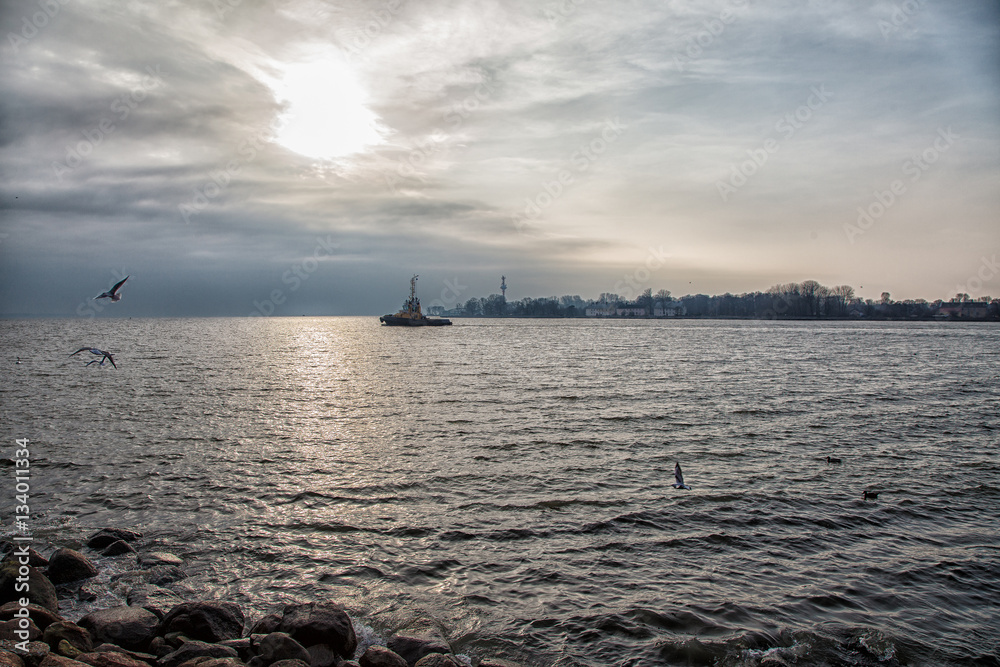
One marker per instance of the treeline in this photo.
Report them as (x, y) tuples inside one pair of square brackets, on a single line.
[(806, 300)]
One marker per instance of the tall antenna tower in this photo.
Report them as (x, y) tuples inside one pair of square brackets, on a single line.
[(503, 287)]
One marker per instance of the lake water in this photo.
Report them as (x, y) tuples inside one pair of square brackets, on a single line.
[(512, 478)]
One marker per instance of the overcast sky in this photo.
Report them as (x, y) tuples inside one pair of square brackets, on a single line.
[(294, 157)]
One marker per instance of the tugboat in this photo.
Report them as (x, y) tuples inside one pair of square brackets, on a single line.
[(410, 315)]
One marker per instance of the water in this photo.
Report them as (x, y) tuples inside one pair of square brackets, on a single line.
[(512, 478)]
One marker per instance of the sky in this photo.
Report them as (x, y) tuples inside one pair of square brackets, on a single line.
[(285, 157)]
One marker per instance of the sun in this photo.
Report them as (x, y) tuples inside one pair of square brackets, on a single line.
[(327, 115)]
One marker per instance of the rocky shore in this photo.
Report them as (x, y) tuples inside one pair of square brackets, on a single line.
[(160, 628)]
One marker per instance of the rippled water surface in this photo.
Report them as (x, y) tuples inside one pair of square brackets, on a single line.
[(512, 478)]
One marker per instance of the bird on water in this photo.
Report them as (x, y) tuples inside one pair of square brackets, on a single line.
[(871, 495), (830, 459)]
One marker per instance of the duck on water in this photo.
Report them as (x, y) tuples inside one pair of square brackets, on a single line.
[(410, 315)]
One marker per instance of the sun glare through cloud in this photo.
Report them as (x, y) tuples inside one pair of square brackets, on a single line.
[(327, 115)]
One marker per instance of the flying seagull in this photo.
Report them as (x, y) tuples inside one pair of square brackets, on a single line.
[(93, 350), (113, 292), (679, 477)]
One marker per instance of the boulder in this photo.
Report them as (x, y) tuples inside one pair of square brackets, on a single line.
[(159, 647), (70, 632), (245, 647), (52, 660), (323, 655), (266, 625), (67, 650), (380, 656), (32, 657), (213, 662), (106, 536), (159, 558), (66, 565), (7, 629), (42, 616), (413, 646), (160, 575), (195, 649), (290, 663), (208, 620), (439, 660), (154, 598), (118, 548), (40, 589), (35, 559), (111, 659), (129, 627), (8, 659), (320, 623), (277, 647)]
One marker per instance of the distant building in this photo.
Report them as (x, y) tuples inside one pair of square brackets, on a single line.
[(668, 309), (600, 310), (631, 312), (975, 310)]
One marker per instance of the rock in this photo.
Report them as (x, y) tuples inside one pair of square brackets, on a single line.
[(128, 627), (290, 663), (245, 647), (83, 595), (159, 558), (266, 625), (118, 548), (111, 659), (320, 623), (42, 616), (323, 655), (35, 559), (276, 647), (115, 648), (208, 620), (348, 663), (106, 536), (66, 565), (154, 598), (413, 647), (52, 660), (32, 657), (213, 662), (159, 647), (439, 660), (195, 649), (69, 632), (497, 662), (40, 589), (7, 629), (380, 656), (160, 575), (67, 650), (8, 659)]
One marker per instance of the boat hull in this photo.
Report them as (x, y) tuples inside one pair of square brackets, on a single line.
[(393, 321)]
